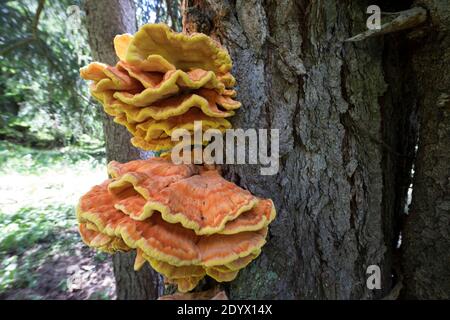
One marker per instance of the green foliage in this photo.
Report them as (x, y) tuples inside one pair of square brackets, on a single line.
[(28, 237), (30, 225), (35, 228), (16, 158), (19, 269), (44, 101), (8, 272)]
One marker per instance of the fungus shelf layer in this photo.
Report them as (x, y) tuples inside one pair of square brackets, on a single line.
[(164, 81), (185, 221)]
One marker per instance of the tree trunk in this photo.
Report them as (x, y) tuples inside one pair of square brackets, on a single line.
[(105, 19), (342, 159), (427, 234)]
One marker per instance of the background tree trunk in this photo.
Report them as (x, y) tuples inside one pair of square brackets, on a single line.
[(339, 191), (427, 234), (105, 19)]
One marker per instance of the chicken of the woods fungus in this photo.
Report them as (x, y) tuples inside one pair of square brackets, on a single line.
[(164, 81), (184, 220)]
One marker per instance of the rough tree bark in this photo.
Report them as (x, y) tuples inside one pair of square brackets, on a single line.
[(427, 234), (334, 105), (105, 19)]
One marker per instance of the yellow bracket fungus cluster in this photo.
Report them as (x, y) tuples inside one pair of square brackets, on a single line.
[(164, 81), (184, 220)]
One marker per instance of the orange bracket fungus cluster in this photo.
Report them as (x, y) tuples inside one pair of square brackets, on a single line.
[(185, 220), (164, 81)]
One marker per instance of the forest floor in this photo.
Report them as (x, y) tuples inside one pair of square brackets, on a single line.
[(41, 253)]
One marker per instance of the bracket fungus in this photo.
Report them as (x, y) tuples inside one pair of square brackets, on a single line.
[(184, 220), (164, 81)]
